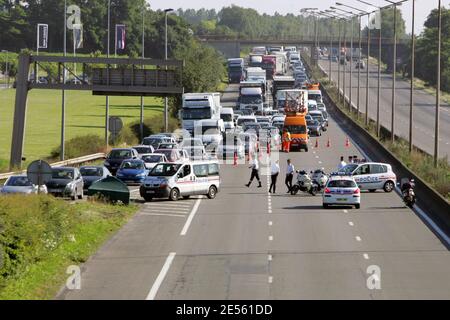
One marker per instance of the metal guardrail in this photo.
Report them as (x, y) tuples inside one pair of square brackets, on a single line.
[(69, 162), (437, 208)]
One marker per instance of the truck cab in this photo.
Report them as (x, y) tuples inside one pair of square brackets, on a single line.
[(251, 97), (210, 132), (235, 70), (227, 115), (295, 108)]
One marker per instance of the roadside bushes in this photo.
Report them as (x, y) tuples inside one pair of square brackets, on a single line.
[(153, 125), (81, 146), (29, 230)]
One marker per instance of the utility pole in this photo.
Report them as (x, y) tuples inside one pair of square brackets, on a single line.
[(411, 93), (367, 71), (394, 70), (107, 97), (63, 103), (438, 88), (141, 118), (166, 101)]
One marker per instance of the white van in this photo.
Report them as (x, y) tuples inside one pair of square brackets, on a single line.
[(176, 180), (227, 115), (315, 95)]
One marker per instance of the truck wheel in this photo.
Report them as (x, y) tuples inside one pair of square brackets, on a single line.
[(212, 192), (306, 149), (174, 194)]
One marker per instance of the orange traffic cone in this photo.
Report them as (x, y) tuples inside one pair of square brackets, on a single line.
[(317, 143), (328, 143), (347, 142), (235, 159)]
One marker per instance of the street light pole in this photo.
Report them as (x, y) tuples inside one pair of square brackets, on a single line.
[(107, 54), (359, 68), (63, 102), (394, 69), (411, 93), (141, 123), (367, 71), (351, 69), (438, 88), (166, 100)]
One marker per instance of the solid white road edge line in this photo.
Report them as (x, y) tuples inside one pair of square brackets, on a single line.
[(190, 218), (154, 290)]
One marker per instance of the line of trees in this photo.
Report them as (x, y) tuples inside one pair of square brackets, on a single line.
[(204, 67), (234, 21)]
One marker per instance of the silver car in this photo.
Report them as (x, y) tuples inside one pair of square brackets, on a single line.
[(22, 185), (66, 182)]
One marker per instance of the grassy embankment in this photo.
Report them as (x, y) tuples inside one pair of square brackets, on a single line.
[(42, 236)]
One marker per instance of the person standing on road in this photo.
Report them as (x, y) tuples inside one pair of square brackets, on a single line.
[(289, 175), (274, 171), (341, 164), (255, 173), (286, 141)]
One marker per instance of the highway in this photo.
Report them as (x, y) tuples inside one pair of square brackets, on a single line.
[(249, 244), (424, 106)]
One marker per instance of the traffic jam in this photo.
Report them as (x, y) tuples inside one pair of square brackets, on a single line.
[(278, 109)]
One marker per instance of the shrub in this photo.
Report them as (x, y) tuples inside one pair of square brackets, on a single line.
[(29, 230), (153, 125), (81, 146)]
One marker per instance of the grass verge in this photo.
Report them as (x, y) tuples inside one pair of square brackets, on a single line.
[(417, 161), (41, 237)]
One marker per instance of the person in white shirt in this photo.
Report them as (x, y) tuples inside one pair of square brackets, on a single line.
[(255, 173), (289, 175), (341, 164), (274, 171)]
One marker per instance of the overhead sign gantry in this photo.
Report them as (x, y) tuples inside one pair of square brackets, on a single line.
[(102, 76)]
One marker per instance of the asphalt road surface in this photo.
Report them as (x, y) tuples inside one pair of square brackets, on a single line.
[(248, 244), (424, 106)]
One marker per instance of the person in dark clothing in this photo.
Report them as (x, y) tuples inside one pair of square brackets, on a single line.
[(274, 171), (289, 175), (255, 173)]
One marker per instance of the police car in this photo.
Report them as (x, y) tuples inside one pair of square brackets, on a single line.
[(341, 190), (372, 176)]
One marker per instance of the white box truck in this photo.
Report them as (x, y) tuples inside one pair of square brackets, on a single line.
[(199, 106)]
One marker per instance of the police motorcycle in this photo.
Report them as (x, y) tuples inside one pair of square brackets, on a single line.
[(320, 178), (304, 183), (407, 189)]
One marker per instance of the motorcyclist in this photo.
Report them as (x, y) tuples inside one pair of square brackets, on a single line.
[(407, 184)]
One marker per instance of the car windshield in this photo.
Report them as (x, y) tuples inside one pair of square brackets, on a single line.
[(342, 184), (120, 154), (296, 129), (210, 130), (196, 113), (226, 117), (241, 122), (152, 141), (318, 117), (235, 69), (66, 174), (349, 168), (142, 150), (251, 99), (91, 172), (133, 165), (152, 158), (19, 182), (312, 107), (164, 170), (312, 123), (314, 96)]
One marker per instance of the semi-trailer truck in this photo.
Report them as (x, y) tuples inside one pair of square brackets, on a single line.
[(235, 70)]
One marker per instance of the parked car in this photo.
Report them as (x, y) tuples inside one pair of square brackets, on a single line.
[(156, 140), (132, 171), (315, 128), (91, 174), (116, 156), (173, 155), (144, 149), (196, 152), (170, 145), (21, 184), (151, 160), (66, 182)]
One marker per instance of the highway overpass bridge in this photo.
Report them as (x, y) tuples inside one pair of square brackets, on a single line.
[(231, 47)]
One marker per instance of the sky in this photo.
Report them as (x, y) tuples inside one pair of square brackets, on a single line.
[(423, 7)]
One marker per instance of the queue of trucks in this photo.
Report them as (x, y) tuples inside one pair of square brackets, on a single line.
[(265, 71)]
